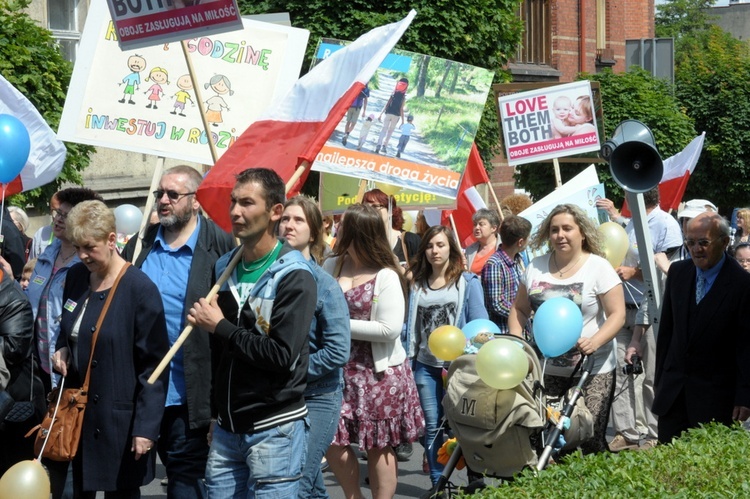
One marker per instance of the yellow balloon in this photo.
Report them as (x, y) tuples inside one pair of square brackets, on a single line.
[(615, 242), (447, 342), (389, 189), (502, 363), (408, 221), (27, 480)]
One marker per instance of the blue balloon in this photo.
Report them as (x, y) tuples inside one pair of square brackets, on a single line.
[(477, 326), (15, 145), (557, 326)]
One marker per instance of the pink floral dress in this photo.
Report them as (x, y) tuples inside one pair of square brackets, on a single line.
[(379, 409)]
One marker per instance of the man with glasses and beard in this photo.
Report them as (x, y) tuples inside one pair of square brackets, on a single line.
[(703, 348), (179, 254)]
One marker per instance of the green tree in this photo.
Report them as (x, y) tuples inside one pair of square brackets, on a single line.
[(632, 95), (711, 83), (31, 61), (481, 33), (677, 18)]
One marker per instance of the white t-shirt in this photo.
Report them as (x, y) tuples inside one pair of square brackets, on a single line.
[(595, 277)]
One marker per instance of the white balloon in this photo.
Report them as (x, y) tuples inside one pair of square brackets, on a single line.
[(128, 219)]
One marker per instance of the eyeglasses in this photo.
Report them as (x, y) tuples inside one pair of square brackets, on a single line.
[(377, 206), (743, 261), (173, 196), (703, 243), (59, 214)]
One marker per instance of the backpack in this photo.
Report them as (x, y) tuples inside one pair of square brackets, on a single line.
[(498, 430)]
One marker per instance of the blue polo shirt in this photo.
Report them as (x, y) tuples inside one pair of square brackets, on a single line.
[(169, 269)]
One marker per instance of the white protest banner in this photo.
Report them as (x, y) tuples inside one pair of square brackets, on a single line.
[(143, 23), (143, 101), (548, 123)]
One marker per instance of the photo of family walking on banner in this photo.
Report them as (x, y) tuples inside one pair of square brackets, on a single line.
[(411, 126)]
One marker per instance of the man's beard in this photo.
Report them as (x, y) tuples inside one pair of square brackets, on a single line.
[(176, 220)]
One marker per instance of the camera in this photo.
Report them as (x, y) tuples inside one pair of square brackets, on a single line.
[(635, 368)]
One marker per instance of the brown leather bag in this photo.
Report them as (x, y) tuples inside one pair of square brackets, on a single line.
[(59, 435)]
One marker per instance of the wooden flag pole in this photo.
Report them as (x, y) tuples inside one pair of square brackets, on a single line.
[(455, 230), (199, 101), (189, 328), (558, 178), (297, 174), (497, 203)]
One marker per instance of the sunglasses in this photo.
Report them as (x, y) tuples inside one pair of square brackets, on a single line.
[(173, 196)]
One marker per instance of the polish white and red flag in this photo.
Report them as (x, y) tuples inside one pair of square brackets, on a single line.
[(288, 136), (47, 153), (677, 171), (468, 200)]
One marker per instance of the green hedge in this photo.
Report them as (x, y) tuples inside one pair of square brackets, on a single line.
[(711, 461)]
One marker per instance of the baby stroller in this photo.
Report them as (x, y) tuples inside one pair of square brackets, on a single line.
[(501, 432)]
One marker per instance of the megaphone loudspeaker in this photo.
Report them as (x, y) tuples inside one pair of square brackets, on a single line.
[(636, 166), (633, 159)]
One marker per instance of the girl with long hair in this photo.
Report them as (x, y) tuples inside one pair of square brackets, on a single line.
[(441, 294), (302, 225), (381, 405)]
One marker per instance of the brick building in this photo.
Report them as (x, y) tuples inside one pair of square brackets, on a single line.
[(565, 37)]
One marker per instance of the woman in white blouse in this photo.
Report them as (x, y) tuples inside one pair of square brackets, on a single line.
[(381, 405)]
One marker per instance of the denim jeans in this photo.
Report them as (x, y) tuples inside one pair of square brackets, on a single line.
[(323, 411), (184, 453), (429, 382), (266, 464)]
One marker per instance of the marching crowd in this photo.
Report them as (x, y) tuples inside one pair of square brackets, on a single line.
[(314, 354)]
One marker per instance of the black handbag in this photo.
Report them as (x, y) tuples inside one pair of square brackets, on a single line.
[(24, 409)]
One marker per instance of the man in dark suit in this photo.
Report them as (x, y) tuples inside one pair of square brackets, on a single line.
[(703, 348)]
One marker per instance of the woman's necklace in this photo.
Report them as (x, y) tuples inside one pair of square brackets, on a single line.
[(570, 267), (64, 259), (260, 263)]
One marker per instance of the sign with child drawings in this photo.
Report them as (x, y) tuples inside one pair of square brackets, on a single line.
[(413, 124), (548, 123), (143, 100)]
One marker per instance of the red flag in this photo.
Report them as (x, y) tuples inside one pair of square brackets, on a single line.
[(674, 180), (468, 200), (295, 128)]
